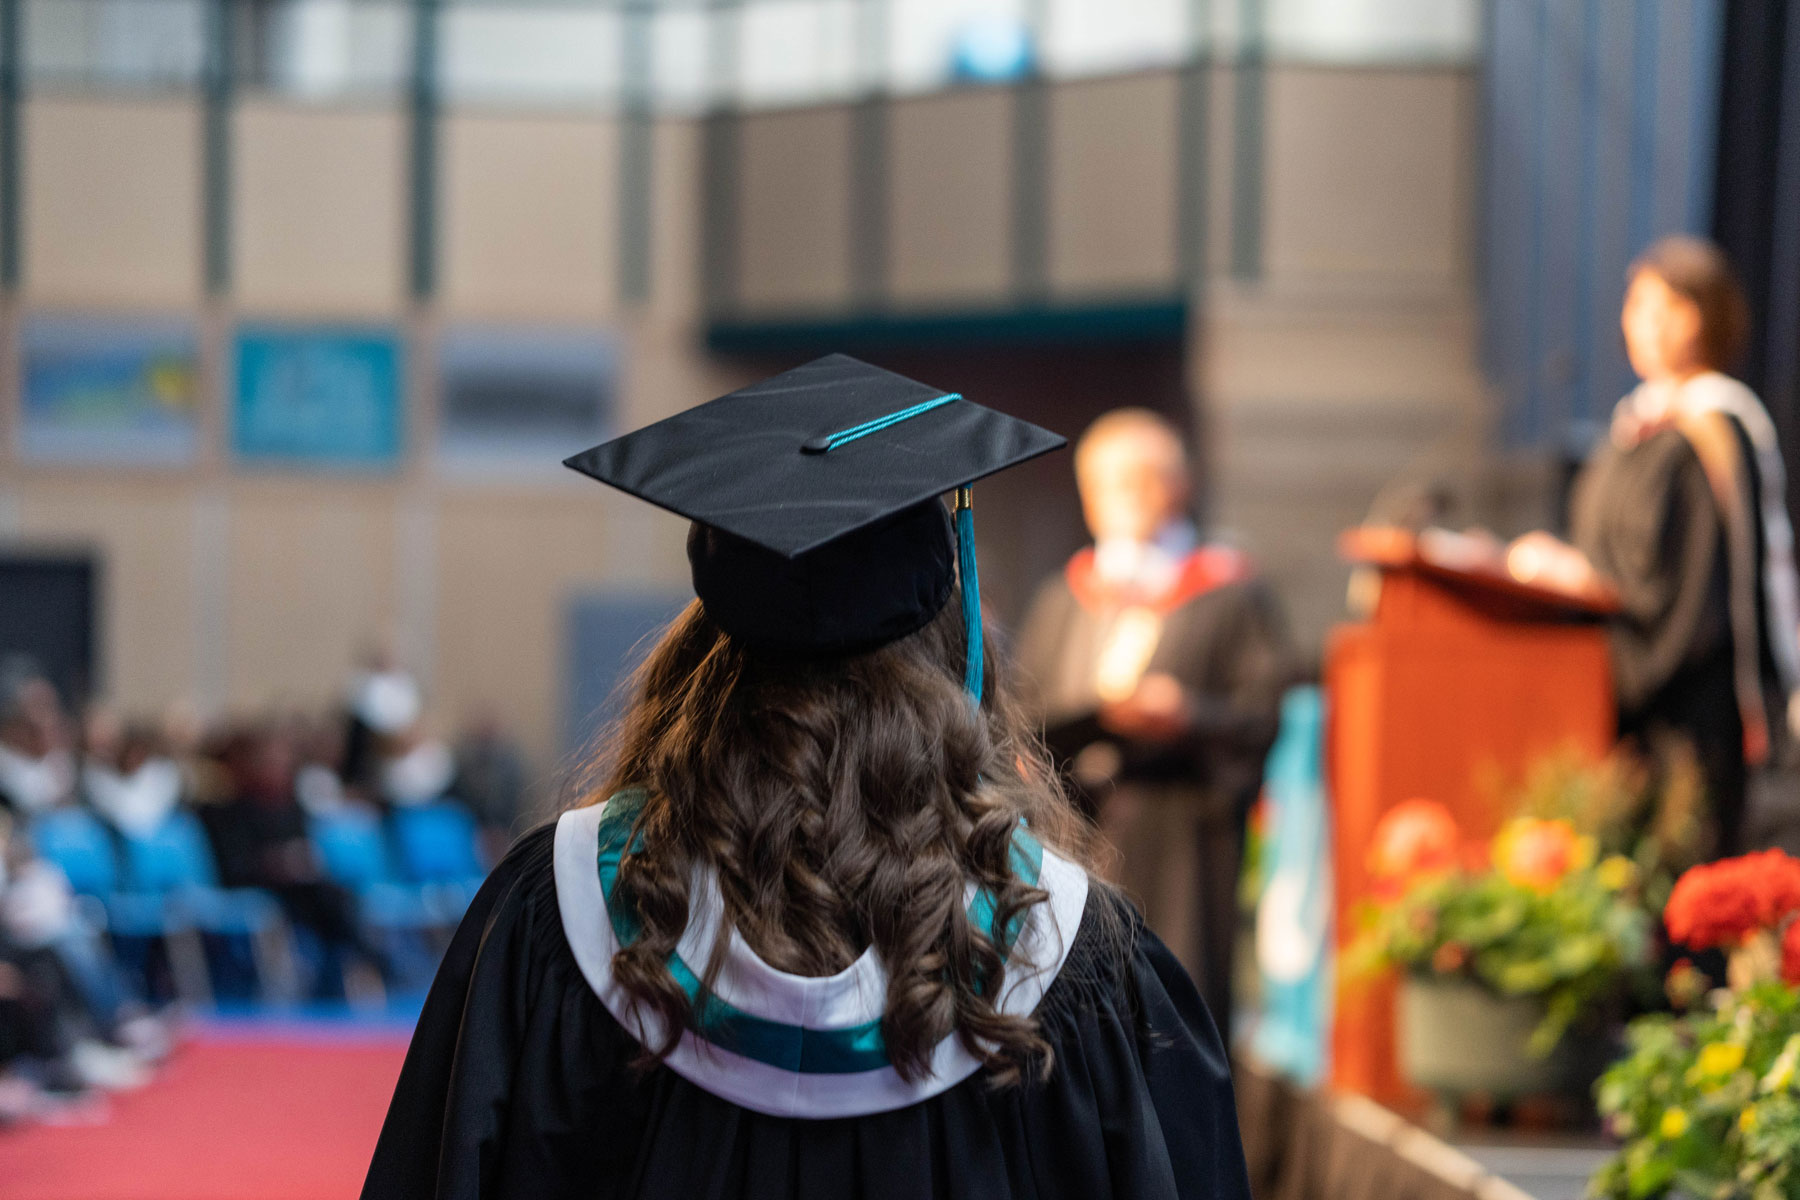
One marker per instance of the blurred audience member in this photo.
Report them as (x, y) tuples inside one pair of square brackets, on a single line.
[(383, 703), (1157, 663), (37, 766), (416, 769), (137, 786), (490, 779), (94, 1037), (260, 840), (317, 785)]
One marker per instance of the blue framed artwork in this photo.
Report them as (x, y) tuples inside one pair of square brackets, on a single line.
[(517, 398), (109, 390), (318, 396)]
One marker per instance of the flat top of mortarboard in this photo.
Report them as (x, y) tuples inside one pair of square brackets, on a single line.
[(772, 463)]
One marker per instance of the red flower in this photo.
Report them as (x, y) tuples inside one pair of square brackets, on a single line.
[(1413, 838), (1722, 903), (1790, 955)]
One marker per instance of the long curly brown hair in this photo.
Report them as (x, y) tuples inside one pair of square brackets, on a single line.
[(844, 803)]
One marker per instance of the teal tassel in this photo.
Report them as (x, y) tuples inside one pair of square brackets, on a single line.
[(971, 591)]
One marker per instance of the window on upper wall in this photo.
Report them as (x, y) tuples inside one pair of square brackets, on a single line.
[(1084, 38), (1373, 31), (324, 50), (543, 54), (114, 43), (797, 51), (682, 46), (932, 43)]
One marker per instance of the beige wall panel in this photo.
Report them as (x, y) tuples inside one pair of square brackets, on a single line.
[(143, 535), (509, 563), (951, 171), (675, 193), (530, 222), (310, 571), (664, 371), (1114, 185), (320, 220), (111, 201), (1369, 173), (793, 229)]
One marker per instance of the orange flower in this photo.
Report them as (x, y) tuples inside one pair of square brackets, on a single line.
[(1413, 838), (1537, 854)]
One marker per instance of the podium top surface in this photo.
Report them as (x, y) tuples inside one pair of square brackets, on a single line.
[(1469, 565)]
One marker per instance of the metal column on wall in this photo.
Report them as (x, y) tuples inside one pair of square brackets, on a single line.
[(637, 132), (1247, 144), (1195, 115), (423, 152), (720, 174), (12, 37), (869, 176), (217, 86), (1031, 171)]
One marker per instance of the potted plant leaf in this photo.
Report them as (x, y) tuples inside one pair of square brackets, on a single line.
[(1502, 949)]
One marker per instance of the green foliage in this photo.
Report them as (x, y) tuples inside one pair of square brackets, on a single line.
[(1706, 1102), (1573, 945)]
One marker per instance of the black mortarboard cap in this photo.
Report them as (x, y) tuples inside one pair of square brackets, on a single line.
[(815, 497)]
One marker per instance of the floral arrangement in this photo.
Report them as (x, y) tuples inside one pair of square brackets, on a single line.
[(1706, 1101), (1537, 913)]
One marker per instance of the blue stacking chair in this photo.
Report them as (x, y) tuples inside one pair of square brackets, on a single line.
[(438, 846), (174, 863), (83, 848), (353, 849), (76, 841)]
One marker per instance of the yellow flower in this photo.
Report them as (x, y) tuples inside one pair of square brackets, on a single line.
[(1720, 1059), (1674, 1123), (1747, 1119), (1616, 873), (1537, 854)]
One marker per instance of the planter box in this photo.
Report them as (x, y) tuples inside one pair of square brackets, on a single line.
[(1458, 1039)]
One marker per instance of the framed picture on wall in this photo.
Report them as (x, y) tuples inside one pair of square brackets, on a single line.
[(109, 390), (521, 399), (323, 396)]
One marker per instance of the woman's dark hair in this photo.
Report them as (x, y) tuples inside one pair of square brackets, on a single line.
[(1699, 271), (844, 803)]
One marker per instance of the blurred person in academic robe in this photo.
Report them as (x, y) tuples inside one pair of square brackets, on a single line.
[(260, 838), (1682, 509), (1156, 662), (37, 765)]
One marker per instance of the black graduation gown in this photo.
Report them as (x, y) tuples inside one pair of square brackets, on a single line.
[(1229, 647), (1646, 517), (520, 1083)]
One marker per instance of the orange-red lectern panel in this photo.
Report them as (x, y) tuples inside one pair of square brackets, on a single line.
[(1461, 676)]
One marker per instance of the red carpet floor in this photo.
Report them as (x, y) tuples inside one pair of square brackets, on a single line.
[(241, 1116)]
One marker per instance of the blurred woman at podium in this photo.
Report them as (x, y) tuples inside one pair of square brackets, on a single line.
[(1682, 510)]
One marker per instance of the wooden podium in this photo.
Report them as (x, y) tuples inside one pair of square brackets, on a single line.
[(1463, 675)]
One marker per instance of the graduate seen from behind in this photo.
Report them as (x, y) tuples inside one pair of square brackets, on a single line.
[(826, 928), (1682, 508), (1157, 663)]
